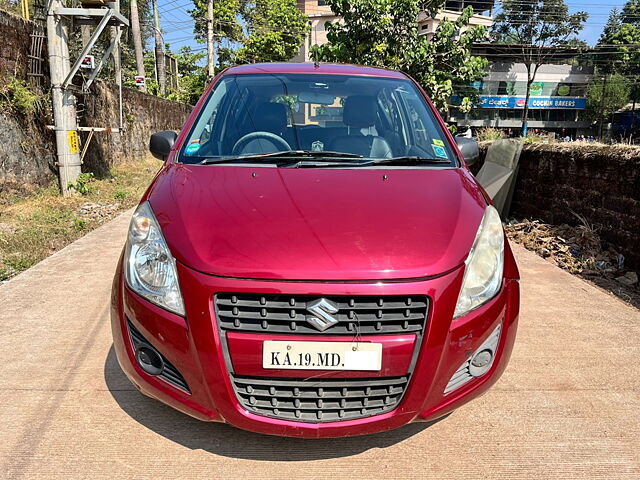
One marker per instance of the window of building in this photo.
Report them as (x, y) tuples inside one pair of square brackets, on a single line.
[(506, 88)]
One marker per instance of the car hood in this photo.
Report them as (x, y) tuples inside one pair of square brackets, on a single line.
[(317, 224)]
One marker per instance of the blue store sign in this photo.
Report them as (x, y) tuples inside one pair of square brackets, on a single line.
[(534, 102)]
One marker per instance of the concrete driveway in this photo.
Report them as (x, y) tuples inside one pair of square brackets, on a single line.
[(567, 407)]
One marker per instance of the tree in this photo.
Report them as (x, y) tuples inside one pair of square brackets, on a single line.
[(607, 95), (227, 15), (261, 31), (618, 45), (276, 29), (537, 27), (193, 77), (385, 34)]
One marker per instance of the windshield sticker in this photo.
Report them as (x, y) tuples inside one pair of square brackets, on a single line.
[(438, 142), (439, 151), (192, 148), (317, 146)]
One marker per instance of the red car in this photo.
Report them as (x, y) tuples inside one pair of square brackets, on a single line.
[(314, 259)]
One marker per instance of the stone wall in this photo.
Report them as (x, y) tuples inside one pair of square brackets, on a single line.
[(15, 45), (598, 182)]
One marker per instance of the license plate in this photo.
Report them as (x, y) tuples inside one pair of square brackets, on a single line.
[(321, 355)]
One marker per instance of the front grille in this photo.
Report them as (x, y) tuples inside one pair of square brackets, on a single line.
[(288, 314), (315, 401), (170, 374)]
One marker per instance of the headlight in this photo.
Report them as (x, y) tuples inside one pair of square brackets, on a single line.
[(150, 268), (484, 265)]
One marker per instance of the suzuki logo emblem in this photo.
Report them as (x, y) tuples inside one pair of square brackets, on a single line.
[(323, 311)]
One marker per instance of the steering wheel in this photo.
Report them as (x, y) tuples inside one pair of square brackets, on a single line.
[(255, 139)]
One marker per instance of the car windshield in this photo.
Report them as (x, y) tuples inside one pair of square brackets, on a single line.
[(345, 118)]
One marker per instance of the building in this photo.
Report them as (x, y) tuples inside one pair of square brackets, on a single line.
[(557, 96), (319, 13), (483, 15)]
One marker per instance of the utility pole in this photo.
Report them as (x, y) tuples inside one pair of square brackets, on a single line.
[(117, 61), (211, 60), (59, 21), (160, 71), (602, 104), (137, 41), (63, 100)]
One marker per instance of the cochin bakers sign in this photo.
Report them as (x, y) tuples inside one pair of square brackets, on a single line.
[(534, 102)]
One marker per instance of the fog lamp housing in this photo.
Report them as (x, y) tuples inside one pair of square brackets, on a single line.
[(479, 363)]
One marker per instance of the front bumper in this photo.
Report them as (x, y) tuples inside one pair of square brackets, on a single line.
[(195, 347)]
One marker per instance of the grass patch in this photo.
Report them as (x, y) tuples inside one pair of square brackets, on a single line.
[(35, 226)]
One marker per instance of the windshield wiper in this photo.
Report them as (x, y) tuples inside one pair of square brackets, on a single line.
[(319, 164), (404, 160), (282, 154)]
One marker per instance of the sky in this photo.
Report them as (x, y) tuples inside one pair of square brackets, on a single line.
[(177, 24), (598, 11)]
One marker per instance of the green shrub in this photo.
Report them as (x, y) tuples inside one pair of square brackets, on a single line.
[(120, 195), (18, 96), (82, 184), (489, 134)]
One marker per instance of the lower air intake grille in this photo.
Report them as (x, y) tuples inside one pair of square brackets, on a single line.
[(314, 401), (170, 374)]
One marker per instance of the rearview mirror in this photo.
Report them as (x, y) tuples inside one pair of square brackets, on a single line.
[(161, 143), (469, 149), (316, 97)]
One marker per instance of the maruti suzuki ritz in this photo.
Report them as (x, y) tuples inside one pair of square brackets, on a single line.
[(314, 259)]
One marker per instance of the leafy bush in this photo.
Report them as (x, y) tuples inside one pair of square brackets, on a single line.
[(18, 96), (489, 134), (536, 138), (82, 184), (120, 194)]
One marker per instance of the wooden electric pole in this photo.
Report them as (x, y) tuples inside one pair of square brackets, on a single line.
[(211, 59), (63, 100), (159, 50), (137, 41)]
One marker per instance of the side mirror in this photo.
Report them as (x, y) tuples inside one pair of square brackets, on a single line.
[(469, 149), (161, 143)]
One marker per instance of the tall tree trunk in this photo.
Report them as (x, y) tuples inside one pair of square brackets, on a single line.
[(160, 71), (137, 41)]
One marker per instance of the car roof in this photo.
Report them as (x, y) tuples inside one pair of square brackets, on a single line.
[(319, 68)]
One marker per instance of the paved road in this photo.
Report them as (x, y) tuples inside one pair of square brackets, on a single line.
[(567, 407)]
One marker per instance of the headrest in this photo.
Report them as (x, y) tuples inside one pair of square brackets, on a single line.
[(270, 117), (359, 111)]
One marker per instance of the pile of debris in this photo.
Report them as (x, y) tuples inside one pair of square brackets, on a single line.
[(98, 212), (576, 249)]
